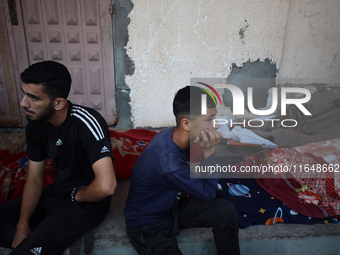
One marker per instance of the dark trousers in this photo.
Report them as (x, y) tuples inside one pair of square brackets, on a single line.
[(160, 237), (55, 224)]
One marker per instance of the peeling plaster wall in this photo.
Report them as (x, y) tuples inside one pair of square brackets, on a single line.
[(171, 42), (311, 52), (124, 66)]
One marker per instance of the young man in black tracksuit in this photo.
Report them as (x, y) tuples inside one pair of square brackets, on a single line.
[(77, 140)]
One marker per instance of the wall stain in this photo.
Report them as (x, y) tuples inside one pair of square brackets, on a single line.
[(242, 31)]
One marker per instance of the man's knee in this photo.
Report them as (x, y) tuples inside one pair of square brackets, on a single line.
[(226, 212)]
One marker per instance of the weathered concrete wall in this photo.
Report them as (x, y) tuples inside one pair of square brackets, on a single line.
[(172, 42), (311, 52)]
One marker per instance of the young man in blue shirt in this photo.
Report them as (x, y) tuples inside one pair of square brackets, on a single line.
[(164, 199)]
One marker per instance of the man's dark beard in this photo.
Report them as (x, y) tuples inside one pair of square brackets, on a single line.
[(47, 113)]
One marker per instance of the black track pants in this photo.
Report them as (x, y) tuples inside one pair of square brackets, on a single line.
[(55, 224), (160, 237)]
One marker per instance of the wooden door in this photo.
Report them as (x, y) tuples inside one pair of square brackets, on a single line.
[(9, 108)]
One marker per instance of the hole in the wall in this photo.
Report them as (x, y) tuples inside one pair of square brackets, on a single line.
[(259, 75)]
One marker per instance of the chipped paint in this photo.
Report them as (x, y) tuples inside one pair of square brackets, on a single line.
[(174, 41), (183, 39)]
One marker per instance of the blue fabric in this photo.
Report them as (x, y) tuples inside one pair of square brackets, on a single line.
[(160, 173), (255, 206)]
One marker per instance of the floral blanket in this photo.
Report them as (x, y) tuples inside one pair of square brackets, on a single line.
[(307, 194), (13, 174), (305, 182), (309, 183)]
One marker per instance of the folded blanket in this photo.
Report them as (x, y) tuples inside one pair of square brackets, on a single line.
[(13, 174), (126, 147), (306, 191)]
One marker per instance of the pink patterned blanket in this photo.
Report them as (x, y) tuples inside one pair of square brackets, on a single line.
[(309, 181)]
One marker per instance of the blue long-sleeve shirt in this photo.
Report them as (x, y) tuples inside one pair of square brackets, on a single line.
[(160, 172)]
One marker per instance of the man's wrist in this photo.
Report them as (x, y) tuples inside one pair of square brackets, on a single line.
[(23, 224), (73, 194)]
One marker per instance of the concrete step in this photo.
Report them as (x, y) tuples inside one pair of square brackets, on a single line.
[(324, 239), (110, 237)]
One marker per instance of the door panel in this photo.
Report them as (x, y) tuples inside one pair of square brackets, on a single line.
[(9, 108), (78, 34)]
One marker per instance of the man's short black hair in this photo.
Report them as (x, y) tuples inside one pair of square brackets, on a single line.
[(54, 76), (187, 103)]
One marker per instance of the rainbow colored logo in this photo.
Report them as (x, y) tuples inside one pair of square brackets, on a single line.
[(213, 90)]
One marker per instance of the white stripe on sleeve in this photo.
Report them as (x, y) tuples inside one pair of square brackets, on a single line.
[(89, 121)]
